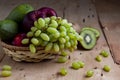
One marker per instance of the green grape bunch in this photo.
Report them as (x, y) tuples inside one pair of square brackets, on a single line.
[(52, 33)]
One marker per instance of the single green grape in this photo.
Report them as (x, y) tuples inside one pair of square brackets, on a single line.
[(44, 36), (70, 24), (53, 17), (56, 35), (71, 29), (7, 68), (48, 46), (80, 38), (30, 34), (75, 42), (52, 38), (25, 41), (71, 35), (40, 41), (41, 23), (68, 44), (64, 53), (62, 40), (64, 21), (37, 33), (63, 34), (75, 65), (62, 46), (44, 43), (59, 20), (62, 59), (6, 73), (52, 30), (67, 38), (35, 41), (32, 48), (33, 29), (74, 47), (82, 64), (104, 53), (98, 58), (36, 24), (62, 28), (56, 47), (63, 71), (89, 73), (46, 26), (72, 42), (106, 68), (67, 25), (53, 24), (47, 20)]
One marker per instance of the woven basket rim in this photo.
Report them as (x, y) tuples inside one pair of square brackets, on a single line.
[(12, 47)]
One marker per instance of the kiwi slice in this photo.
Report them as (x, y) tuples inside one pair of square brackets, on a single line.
[(89, 39), (96, 32)]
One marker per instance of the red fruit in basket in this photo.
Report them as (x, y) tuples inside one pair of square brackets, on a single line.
[(29, 19), (18, 38)]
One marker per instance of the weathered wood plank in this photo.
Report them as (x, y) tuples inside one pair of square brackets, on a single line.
[(76, 12), (109, 14)]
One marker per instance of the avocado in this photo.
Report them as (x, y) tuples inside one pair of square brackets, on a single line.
[(18, 13)]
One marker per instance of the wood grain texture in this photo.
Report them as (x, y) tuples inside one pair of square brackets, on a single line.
[(109, 14), (81, 13)]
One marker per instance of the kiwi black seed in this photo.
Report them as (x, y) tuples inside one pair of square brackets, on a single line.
[(89, 39), (96, 32)]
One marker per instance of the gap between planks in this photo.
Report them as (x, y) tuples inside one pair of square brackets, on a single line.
[(109, 18)]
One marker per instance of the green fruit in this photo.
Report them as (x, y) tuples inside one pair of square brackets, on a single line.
[(63, 71), (18, 13), (89, 73), (96, 32), (7, 68), (62, 59), (6, 73), (104, 53), (106, 68), (81, 63), (75, 65), (8, 29), (98, 58), (89, 39)]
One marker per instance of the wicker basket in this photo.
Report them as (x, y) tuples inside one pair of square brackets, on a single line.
[(24, 54)]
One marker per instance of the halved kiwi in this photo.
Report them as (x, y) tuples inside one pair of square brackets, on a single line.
[(89, 39), (96, 32)]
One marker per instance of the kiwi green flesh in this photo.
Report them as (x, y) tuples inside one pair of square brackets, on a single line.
[(89, 39), (96, 32)]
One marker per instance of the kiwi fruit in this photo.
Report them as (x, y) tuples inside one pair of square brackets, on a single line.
[(89, 39), (96, 32)]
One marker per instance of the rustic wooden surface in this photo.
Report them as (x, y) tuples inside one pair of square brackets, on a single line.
[(109, 15), (81, 13)]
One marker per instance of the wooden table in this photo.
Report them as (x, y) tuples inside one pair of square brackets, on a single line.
[(101, 14)]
